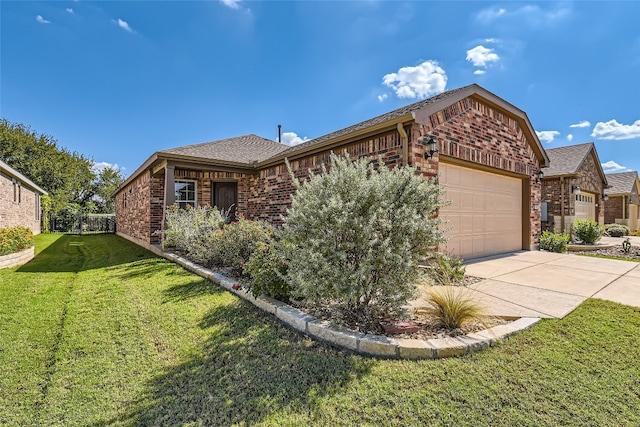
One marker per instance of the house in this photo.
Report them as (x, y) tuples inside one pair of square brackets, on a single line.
[(19, 200), (621, 207), (483, 149), (572, 187)]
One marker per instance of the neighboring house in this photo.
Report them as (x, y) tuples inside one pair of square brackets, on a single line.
[(573, 187), (19, 200), (622, 205), (488, 158)]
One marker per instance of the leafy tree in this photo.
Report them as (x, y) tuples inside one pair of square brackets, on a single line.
[(355, 235), (107, 181), (66, 175)]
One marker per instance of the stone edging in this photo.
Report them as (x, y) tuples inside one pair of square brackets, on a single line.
[(17, 258), (367, 344), (573, 248)]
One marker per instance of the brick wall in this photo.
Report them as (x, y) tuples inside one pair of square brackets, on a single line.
[(133, 208), (613, 209), (19, 205)]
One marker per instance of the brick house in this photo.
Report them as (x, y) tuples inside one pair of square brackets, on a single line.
[(573, 187), (19, 200), (488, 156), (623, 200)]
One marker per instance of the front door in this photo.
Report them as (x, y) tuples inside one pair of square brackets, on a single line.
[(225, 197)]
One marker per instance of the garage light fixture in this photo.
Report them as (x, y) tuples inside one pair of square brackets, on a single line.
[(430, 142), (575, 189), (605, 197), (539, 175)]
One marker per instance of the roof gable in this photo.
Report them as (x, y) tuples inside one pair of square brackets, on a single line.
[(19, 177), (621, 183)]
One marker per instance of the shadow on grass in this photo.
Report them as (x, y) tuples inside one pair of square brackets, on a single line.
[(251, 367), (74, 253)]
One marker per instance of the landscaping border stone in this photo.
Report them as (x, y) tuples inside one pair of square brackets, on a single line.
[(366, 344), (17, 258)]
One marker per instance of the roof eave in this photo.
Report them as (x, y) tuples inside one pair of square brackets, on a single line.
[(23, 179)]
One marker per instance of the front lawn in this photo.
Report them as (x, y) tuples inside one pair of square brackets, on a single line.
[(96, 331)]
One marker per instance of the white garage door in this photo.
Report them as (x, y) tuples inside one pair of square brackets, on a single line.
[(485, 215), (585, 207)]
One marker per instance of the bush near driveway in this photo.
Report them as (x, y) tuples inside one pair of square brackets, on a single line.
[(554, 242), (354, 236), (587, 231)]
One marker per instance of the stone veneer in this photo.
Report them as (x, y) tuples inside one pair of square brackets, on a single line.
[(17, 258)]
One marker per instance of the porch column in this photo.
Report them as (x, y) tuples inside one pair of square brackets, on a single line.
[(169, 185)]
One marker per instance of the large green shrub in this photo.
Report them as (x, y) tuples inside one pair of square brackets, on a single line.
[(354, 236), (186, 227), (554, 242), (234, 244), (587, 231), (267, 268), (15, 239), (617, 230)]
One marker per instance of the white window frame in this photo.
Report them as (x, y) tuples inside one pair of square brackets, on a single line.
[(182, 203)]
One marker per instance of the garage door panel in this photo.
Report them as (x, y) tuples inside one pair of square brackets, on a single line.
[(485, 216)]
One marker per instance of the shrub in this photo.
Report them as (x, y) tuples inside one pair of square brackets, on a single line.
[(186, 227), (234, 244), (617, 230), (452, 306), (554, 242), (635, 233), (587, 231), (444, 269), (626, 246), (267, 268), (353, 238), (15, 239)]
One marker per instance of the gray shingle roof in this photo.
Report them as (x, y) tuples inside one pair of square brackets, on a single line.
[(567, 160), (240, 149), (379, 119), (621, 183)]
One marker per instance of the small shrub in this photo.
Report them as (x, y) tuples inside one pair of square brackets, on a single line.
[(186, 227), (554, 242), (635, 233), (452, 306), (267, 268), (233, 246), (626, 246), (445, 270), (587, 231), (15, 239), (356, 234), (617, 230)]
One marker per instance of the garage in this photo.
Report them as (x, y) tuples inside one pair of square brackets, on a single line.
[(485, 214), (585, 207)]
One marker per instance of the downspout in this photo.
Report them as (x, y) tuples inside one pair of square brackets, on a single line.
[(405, 144), (562, 204)]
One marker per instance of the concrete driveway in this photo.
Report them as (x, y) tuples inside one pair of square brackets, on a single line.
[(548, 285)]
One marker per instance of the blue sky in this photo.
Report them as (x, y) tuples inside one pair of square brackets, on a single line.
[(119, 80)]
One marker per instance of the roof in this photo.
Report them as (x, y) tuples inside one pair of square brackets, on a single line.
[(243, 149), (621, 183), (567, 160), (378, 119), (18, 176)]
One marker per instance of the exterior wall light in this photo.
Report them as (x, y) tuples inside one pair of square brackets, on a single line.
[(605, 197), (575, 189), (430, 142), (539, 175)]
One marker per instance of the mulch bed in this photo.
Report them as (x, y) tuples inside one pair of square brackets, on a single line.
[(614, 251)]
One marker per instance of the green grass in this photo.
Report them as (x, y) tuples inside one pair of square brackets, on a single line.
[(96, 331), (621, 258)]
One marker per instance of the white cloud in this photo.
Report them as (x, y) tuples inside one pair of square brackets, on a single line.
[(547, 135), (291, 138), (533, 15), (570, 137), (41, 20), (479, 72), (614, 130), (70, 10), (613, 167), (582, 124), (382, 97), (124, 25), (233, 4), (480, 56), (420, 81), (100, 166), (488, 15)]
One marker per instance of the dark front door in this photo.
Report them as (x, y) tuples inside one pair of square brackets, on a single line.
[(225, 197)]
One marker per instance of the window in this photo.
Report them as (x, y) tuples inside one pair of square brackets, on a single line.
[(185, 193)]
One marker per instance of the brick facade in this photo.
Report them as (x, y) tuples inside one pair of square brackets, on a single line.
[(19, 204), (589, 180), (616, 209), (133, 209)]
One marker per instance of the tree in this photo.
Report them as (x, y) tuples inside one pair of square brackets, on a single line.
[(355, 235), (107, 180), (66, 176)]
